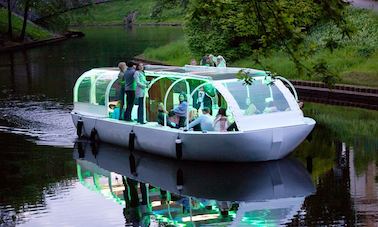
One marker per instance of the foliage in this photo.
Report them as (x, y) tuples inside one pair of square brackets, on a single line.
[(32, 31), (161, 5), (113, 13), (245, 77), (321, 70), (237, 28), (57, 22), (176, 53)]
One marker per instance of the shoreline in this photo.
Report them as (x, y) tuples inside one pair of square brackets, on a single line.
[(43, 42), (315, 91)]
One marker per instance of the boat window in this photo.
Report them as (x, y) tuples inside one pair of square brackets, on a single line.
[(257, 98), (115, 92), (100, 90), (84, 90)]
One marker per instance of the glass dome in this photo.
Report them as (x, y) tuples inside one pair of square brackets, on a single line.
[(265, 102), (91, 91)]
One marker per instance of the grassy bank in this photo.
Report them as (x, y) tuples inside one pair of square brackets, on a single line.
[(32, 31), (355, 60), (175, 53), (113, 13)]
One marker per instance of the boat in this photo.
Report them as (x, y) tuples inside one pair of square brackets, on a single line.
[(219, 193), (264, 108)]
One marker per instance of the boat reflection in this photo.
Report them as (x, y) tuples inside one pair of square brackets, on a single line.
[(158, 190)]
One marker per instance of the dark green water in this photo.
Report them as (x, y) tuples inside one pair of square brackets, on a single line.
[(48, 179)]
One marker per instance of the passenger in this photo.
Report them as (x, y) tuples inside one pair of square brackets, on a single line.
[(140, 91), (181, 109), (111, 113), (116, 110), (251, 110), (205, 61), (212, 60), (193, 114), (270, 107), (204, 120), (221, 62), (130, 87), (162, 114), (121, 78), (202, 99), (193, 62), (221, 122)]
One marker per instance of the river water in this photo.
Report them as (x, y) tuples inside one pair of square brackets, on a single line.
[(51, 179)]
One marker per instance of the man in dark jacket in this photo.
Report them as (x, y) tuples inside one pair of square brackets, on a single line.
[(129, 89)]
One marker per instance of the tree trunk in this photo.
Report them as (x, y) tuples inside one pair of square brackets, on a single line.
[(10, 33), (22, 36)]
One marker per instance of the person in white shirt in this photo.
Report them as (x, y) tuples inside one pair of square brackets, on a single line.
[(205, 120)]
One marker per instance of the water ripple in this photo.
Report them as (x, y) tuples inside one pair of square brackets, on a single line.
[(43, 122)]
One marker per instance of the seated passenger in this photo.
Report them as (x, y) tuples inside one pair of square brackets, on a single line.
[(181, 109), (270, 107), (162, 114), (221, 122), (204, 120), (251, 110), (116, 110), (193, 114)]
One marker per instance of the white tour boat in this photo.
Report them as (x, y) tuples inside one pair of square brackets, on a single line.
[(270, 123)]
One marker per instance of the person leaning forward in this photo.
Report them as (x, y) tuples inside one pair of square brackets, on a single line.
[(130, 87)]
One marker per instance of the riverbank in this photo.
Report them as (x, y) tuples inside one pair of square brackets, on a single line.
[(33, 31), (354, 59), (35, 35), (312, 91), (114, 13)]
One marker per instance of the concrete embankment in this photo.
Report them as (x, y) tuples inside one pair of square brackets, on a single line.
[(312, 91)]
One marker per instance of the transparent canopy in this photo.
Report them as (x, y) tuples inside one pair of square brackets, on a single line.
[(258, 98), (99, 89)]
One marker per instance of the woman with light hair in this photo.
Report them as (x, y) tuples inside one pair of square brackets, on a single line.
[(220, 61)]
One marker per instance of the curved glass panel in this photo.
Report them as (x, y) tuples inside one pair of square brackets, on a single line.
[(115, 92), (100, 90), (84, 90), (257, 98)]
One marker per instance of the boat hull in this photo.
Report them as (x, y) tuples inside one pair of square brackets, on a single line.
[(245, 146)]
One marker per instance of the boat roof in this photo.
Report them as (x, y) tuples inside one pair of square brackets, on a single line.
[(203, 72)]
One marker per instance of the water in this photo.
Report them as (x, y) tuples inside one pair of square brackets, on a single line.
[(50, 179)]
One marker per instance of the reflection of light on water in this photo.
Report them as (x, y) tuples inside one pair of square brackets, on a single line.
[(201, 217), (44, 122)]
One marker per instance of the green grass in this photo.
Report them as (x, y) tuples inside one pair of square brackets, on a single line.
[(32, 31), (175, 53), (355, 61), (113, 13)]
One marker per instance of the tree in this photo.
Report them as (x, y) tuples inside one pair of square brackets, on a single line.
[(10, 33), (25, 20), (240, 28)]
